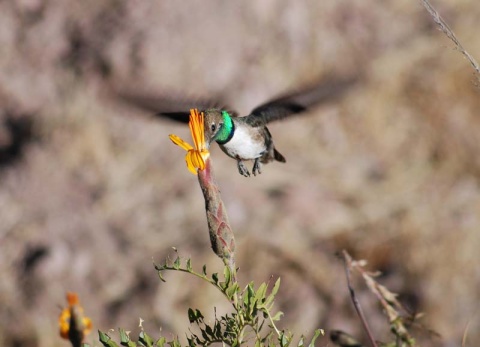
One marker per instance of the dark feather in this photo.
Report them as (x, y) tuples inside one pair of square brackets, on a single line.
[(182, 117), (300, 101), (177, 109)]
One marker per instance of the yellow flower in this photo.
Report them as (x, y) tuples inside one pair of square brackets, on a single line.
[(197, 155), (72, 318)]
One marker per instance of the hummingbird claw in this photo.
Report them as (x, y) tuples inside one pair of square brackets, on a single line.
[(257, 167), (242, 169)]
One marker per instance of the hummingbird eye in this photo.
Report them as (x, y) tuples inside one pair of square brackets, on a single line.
[(213, 127)]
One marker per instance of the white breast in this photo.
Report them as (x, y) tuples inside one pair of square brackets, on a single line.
[(241, 146)]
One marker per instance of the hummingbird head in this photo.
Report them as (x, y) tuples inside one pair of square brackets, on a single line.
[(218, 126)]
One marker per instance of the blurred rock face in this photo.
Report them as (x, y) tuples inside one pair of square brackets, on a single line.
[(91, 190)]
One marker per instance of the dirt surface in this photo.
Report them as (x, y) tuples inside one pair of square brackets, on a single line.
[(91, 189)]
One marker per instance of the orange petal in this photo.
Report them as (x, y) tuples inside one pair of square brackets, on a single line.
[(64, 323), (72, 298), (197, 129), (179, 142), (190, 165), (87, 323)]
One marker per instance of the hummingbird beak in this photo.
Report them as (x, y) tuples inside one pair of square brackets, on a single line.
[(208, 140)]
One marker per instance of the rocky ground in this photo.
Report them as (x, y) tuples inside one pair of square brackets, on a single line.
[(92, 189)]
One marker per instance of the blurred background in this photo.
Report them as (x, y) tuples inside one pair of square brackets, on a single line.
[(92, 190)]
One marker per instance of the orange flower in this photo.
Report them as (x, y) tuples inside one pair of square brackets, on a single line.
[(72, 318), (197, 155)]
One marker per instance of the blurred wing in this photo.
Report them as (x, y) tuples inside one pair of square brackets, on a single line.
[(300, 101), (177, 109)]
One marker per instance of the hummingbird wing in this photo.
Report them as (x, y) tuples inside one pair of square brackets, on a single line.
[(300, 101), (173, 108)]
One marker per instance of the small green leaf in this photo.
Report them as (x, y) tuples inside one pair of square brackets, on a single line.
[(176, 263), (250, 294), (174, 343), (217, 330), (230, 291), (318, 332), (204, 270), (284, 340), (145, 339), (269, 301), (161, 342), (209, 331), (125, 339), (275, 287), (228, 275), (191, 316), (106, 340), (189, 265), (194, 316), (277, 316), (261, 292), (215, 278), (301, 342), (161, 276), (204, 334)]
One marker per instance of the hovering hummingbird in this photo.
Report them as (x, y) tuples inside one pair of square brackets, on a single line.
[(245, 138)]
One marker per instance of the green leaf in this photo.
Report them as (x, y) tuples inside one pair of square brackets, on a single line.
[(271, 296), (161, 276), (176, 263), (217, 330), (161, 342), (145, 339), (284, 340), (209, 331), (204, 270), (194, 316), (228, 275), (318, 332), (230, 291), (191, 316), (189, 265), (174, 343), (215, 278), (106, 340), (261, 292), (250, 294), (301, 342), (125, 339), (277, 316), (204, 334)]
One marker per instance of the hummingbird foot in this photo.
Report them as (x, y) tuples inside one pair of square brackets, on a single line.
[(242, 169), (257, 166)]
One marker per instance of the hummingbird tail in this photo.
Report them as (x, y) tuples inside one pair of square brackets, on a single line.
[(278, 156)]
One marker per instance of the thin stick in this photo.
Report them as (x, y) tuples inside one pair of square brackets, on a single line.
[(447, 31), (355, 301)]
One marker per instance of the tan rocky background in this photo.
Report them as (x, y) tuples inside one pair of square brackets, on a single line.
[(92, 190)]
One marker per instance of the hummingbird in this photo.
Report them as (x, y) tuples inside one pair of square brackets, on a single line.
[(241, 138), (245, 138)]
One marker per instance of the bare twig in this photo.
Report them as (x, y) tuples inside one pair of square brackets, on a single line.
[(387, 299), (465, 332), (447, 31), (356, 303)]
